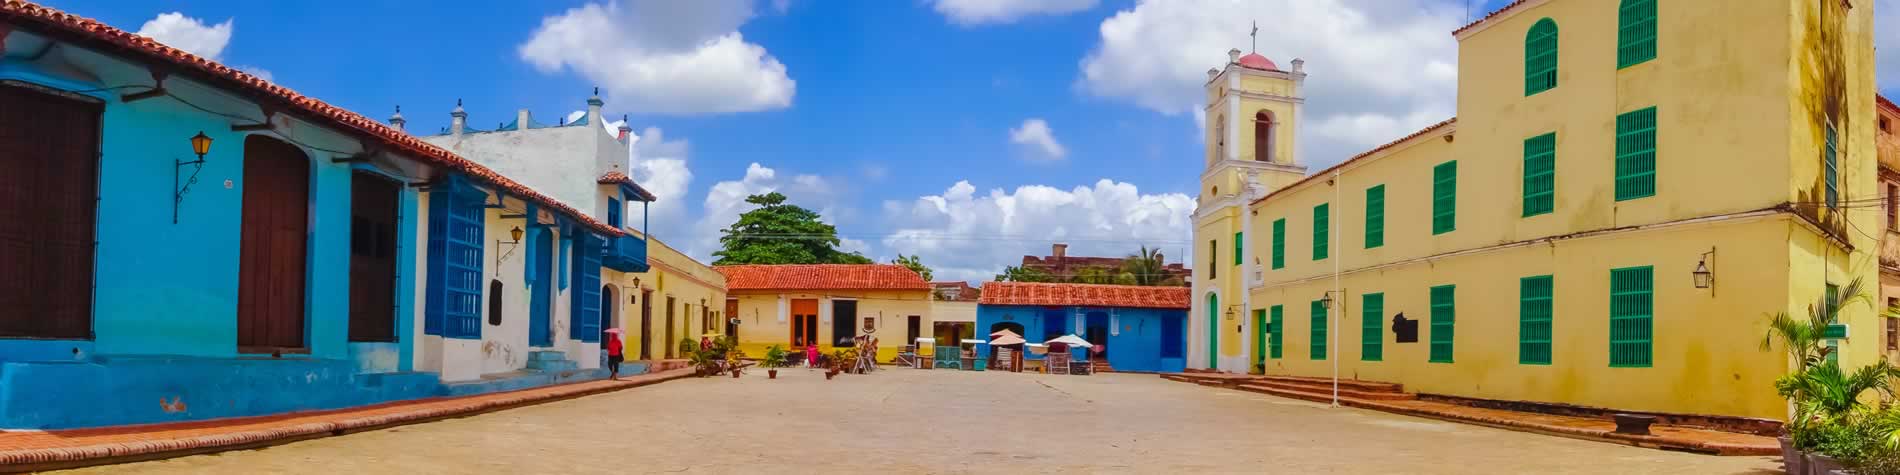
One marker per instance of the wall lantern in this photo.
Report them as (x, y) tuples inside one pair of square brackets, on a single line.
[(1326, 301), (636, 282), (1704, 277), (200, 145), (514, 234)]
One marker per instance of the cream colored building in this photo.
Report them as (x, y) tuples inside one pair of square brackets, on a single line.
[(827, 305), (677, 298)]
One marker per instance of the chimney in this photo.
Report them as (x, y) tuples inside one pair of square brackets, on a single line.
[(459, 119), (1058, 250), (1233, 55), (593, 108), (1299, 65), (1211, 73), (521, 119), (626, 129), (396, 120)]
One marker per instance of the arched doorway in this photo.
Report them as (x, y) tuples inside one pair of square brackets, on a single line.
[(1213, 330), (609, 310), (1263, 125), (271, 247)]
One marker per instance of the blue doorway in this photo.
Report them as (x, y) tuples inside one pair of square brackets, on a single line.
[(541, 285)]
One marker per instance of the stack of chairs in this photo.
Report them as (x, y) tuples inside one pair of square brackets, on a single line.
[(948, 357), (1058, 363), (908, 356)]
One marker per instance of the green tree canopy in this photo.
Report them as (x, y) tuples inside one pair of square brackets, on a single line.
[(780, 233), (1025, 274), (915, 265)]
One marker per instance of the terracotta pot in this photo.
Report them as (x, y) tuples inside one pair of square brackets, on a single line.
[(771, 374), (829, 375), (1792, 460)]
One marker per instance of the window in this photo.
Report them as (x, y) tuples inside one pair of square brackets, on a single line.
[(1372, 327), (1540, 174), (1631, 311), (1885, 126), (1636, 154), (1893, 211), (584, 320), (1277, 324), (1540, 57), (494, 302), (1533, 320), (1832, 170), (1445, 197), (1237, 241), (916, 326), (1321, 226), (1263, 136), (1375, 216), (1213, 258), (50, 196), (870, 324), (1279, 243), (1319, 331), (1892, 325), (1443, 318), (613, 213), (1636, 33)]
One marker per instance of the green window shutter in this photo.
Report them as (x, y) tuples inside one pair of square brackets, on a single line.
[(1833, 167), (1636, 154), (1277, 323), (1279, 243), (1322, 225), (1636, 33), (1375, 216), (1319, 331), (1372, 327), (1540, 174), (1445, 197), (1540, 57), (1632, 307), (1533, 320), (1237, 242), (1443, 318)]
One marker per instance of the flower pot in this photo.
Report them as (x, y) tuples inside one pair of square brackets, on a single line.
[(771, 374), (829, 375), (1792, 460), (735, 374), (1823, 465)]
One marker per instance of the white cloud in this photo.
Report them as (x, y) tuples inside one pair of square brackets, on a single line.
[(1040, 141), (962, 235), (663, 56), (660, 166), (725, 201), (980, 12), (1378, 69), (1887, 43), (190, 34)]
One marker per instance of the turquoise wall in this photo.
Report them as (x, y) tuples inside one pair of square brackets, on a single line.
[(1137, 347)]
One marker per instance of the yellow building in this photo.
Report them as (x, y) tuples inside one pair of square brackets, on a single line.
[(1544, 246), (678, 298), (827, 305)]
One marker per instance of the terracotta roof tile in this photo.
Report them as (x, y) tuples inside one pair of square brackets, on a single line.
[(1488, 17), (91, 33), (618, 178), (1083, 295), (821, 277)]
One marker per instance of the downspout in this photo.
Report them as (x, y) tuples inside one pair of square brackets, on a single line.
[(1338, 255)]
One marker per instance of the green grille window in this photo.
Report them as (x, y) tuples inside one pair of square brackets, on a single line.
[(1237, 241), (1277, 323), (1279, 243), (1375, 216), (1533, 320), (1319, 331), (1833, 167), (1443, 318), (1636, 154), (1540, 174), (1445, 197), (1372, 327), (1636, 35), (1632, 304), (1322, 224), (1540, 57)]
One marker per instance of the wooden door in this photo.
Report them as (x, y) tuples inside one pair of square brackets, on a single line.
[(671, 343), (49, 162), (373, 221), (646, 324), (732, 315), (272, 247), (804, 322)]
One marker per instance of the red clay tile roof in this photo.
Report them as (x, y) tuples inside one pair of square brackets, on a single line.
[(91, 33), (1083, 295), (1488, 17), (821, 277), (1356, 158), (1881, 101), (618, 178)]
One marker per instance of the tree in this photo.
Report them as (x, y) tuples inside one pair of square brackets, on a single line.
[(1024, 274), (915, 265), (780, 233), (1146, 267)]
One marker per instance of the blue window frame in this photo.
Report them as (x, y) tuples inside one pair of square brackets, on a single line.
[(586, 305), (453, 305)]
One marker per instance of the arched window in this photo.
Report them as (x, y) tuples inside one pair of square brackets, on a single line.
[(1635, 33), (1220, 139), (1263, 136), (494, 302), (1540, 57)]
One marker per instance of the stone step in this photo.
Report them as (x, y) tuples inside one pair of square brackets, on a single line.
[(553, 365), (546, 355), (1344, 392), (1310, 384)]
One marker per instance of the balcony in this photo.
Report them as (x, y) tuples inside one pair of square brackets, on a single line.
[(625, 254)]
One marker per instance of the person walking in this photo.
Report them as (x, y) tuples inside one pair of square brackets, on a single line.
[(615, 354)]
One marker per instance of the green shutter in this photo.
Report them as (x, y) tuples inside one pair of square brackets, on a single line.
[(1832, 167), (1636, 154), (1533, 320), (1540, 57), (1237, 242), (1636, 33), (1540, 174), (1632, 307), (1372, 327), (1277, 323), (1443, 318), (1319, 331), (1322, 224), (1375, 216), (1279, 243), (1445, 197)]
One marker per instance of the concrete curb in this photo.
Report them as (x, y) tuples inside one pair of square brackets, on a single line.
[(345, 421)]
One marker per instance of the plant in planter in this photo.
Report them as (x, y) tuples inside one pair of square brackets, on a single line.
[(687, 346), (734, 357), (1831, 426), (774, 359)]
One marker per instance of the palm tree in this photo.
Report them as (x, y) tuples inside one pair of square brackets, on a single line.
[(1145, 266), (1804, 338)]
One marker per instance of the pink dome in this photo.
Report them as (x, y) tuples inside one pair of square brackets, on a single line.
[(1256, 61)]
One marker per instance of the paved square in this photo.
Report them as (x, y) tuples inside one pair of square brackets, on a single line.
[(922, 421)]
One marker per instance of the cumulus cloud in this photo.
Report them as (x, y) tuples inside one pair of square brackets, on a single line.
[(190, 34), (963, 235), (725, 201), (660, 166), (663, 56), (981, 12), (1378, 70), (1036, 137)]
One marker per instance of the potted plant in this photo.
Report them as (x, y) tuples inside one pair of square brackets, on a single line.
[(774, 359), (1831, 426), (734, 357)]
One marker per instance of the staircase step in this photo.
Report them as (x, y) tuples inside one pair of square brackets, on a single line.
[(552, 366), (1344, 392), (1370, 386), (546, 355)]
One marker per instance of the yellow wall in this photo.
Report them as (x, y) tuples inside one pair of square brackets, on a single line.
[(767, 322), (694, 287)]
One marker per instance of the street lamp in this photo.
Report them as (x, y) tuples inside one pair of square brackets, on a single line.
[(512, 233), (1704, 278), (1326, 301), (200, 145)]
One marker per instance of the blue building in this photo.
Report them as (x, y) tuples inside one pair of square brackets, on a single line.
[(184, 241), (1141, 328)]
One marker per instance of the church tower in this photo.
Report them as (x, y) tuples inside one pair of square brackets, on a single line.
[(1253, 114)]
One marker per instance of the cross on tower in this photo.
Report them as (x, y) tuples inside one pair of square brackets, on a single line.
[(1256, 36)]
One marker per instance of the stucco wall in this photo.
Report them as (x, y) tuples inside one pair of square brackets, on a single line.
[(1134, 342), (674, 274), (767, 321)]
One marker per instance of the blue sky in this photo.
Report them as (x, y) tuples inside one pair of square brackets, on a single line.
[(908, 122)]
